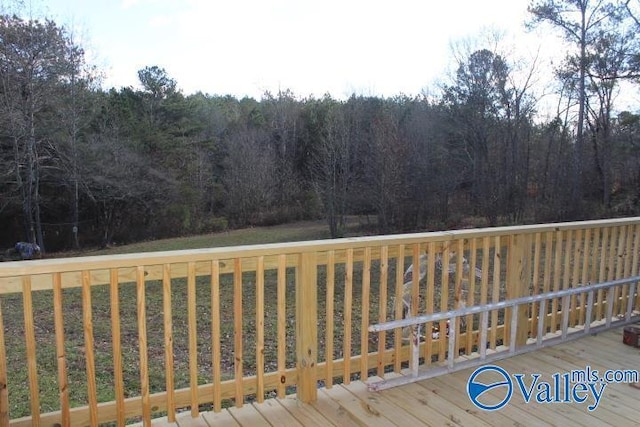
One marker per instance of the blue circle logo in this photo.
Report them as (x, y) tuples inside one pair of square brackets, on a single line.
[(487, 378)]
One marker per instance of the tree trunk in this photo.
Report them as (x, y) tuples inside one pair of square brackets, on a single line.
[(578, 163), (34, 183)]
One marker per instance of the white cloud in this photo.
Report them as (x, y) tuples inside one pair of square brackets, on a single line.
[(160, 21), (127, 4)]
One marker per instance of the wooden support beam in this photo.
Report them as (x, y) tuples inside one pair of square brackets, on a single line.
[(4, 391), (519, 282), (307, 327)]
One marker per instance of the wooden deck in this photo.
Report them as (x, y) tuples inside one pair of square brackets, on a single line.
[(443, 400)]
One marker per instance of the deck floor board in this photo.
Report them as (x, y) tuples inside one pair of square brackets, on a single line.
[(308, 415), (444, 401)]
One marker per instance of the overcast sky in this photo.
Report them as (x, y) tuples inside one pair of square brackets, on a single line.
[(245, 47)]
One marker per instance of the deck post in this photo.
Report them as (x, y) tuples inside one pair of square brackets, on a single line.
[(307, 327), (4, 392), (519, 282)]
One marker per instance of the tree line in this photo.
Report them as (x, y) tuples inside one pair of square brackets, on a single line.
[(83, 166)]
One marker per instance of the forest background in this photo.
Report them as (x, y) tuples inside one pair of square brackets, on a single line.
[(85, 166)]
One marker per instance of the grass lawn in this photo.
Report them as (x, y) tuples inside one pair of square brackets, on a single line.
[(294, 232)]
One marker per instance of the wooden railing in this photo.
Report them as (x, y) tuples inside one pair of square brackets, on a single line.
[(131, 337)]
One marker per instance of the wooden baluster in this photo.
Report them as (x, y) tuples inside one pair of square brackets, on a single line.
[(609, 306), (397, 333), (142, 343), (484, 324), (584, 280), (237, 332), (575, 277), (628, 256), (458, 293), (595, 256), (627, 314), (30, 337), (495, 291), (216, 358), (331, 272), (471, 294), (546, 282), (117, 346), (348, 302), (557, 274), (542, 313), (430, 300), (622, 237), (282, 324), (589, 313), (611, 274), (414, 356), (260, 330), (603, 272), (484, 294), (515, 329), (4, 387), (168, 341), (87, 320), (63, 384), (444, 301), (565, 316), (382, 308), (193, 337), (566, 278), (364, 334), (535, 285), (453, 343)]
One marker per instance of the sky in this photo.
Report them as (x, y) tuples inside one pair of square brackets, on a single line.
[(248, 47)]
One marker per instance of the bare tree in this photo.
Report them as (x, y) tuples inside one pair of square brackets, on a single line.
[(386, 151), (632, 11), (34, 60), (580, 21), (249, 178), (74, 113), (283, 120), (478, 108), (608, 65), (331, 165)]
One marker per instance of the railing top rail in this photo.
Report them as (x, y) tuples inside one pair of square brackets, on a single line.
[(444, 315), (48, 266)]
